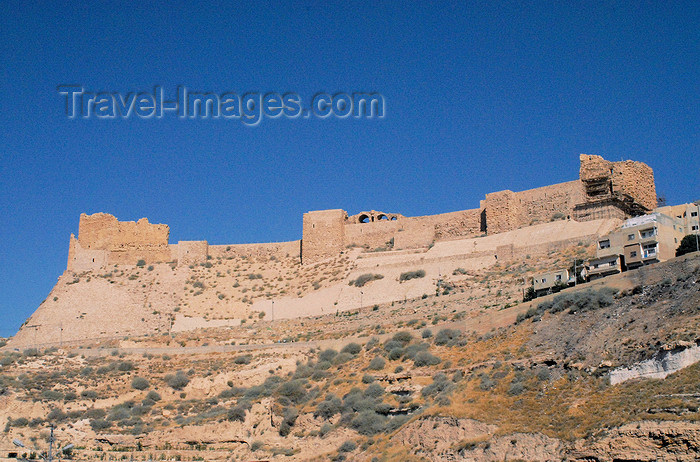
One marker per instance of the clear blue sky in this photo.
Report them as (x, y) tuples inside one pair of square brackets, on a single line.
[(480, 97)]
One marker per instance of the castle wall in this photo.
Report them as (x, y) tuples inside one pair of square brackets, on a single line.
[(125, 242), (372, 235), (323, 235), (264, 250), (190, 252), (628, 181)]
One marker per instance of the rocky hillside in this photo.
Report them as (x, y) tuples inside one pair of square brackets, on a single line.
[(440, 377)]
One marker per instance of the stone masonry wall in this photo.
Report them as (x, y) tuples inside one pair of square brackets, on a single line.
[(323, 235), (102, 239), (629, 181)]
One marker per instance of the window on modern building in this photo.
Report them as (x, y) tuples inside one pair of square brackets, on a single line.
[(694, 227), (693, 214), (633, 254), (558, 277), (630, 237), (604, 244), (648, 233)]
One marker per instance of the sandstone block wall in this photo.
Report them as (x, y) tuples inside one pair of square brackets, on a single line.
[(628, 181), (102, 240), (502, 212), (190, 252), (323, 235), (265, 250)]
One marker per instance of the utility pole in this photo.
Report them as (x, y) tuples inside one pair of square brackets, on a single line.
[(50, 456)]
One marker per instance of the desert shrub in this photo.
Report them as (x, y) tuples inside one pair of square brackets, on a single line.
[(153, 395), (243, 359), (441, 384), (374, 391), (89, 394), (377, 363), (256, 445), (236, 413), (391, 344), (70, 396), (398, 369), (328, 407), (516, 388), (351, 348), (367, 378), (141, 263), (447, 337), (323, 365), (412, 350), (317, 376), (403, 337), (294, 390), (125, 366), (408, 275), (542, 374), (427, 333), (395, 353), (86, 371), (585, 300), (95, 413), (18, 422), (425, 358), (177, 381), (52, 395), (289, 417), (368, 423), (56, 415), (342, 358), (347, 446), (365, 279), (325, 429), (486, 383), (139, 383), (327, 355), (100, 424), (371, 343), (30, 352)]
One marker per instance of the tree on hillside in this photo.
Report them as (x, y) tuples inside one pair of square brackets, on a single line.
[(688, 244)]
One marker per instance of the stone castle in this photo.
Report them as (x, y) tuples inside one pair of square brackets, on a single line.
[(604, 189)]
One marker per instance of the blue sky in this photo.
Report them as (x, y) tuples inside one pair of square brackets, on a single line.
[(480, 97)]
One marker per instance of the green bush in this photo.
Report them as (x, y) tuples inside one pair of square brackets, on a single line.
[(688, 244), (425, 358), (327, 355), (243, 359), (367, 378), (139, 383), (377, 363), (153, 396), (125, 366), (294, 390), (347, 446), (177, 381), (100, 424), (403, 337), (141, 263), (365, 279), (328, 407), (89, 394), (368, 423), (342, 358), (427, 333), (408, 275), (352, 348), (447, 337), (236, 413)]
